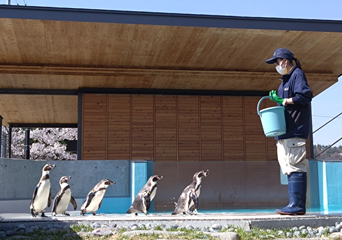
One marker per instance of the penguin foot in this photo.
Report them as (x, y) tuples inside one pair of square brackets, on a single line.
[(82, 212), (191, 213), (136, 214), (66, 214), (94, 213), (33, 214), (43, 214)]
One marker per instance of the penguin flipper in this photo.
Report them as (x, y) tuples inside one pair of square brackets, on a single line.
[(49, 200), (195, 199), (89, 198), (147, 202), (73, 202), (55, 203), (34, 194), (100, 204)]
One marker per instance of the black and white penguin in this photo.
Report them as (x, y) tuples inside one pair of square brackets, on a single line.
[(95, 196), (188, 200), (63, 198), (41, 198), (142, 201)]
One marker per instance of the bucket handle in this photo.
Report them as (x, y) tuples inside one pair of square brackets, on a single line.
[(263, 98)]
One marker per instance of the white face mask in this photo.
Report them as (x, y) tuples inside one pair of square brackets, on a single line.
[(280, 69)]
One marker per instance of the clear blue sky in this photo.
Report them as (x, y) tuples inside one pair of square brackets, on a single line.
[(325, 106)]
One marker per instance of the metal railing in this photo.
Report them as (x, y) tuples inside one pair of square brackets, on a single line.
[(321, 128)]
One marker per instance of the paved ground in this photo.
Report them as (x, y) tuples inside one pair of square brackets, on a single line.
[(245, 220)]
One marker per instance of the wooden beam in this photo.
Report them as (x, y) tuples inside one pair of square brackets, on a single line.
[(98, 71)]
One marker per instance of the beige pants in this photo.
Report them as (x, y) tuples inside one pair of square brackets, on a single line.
[(291, 155)]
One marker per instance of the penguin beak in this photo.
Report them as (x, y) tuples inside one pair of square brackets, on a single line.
[(206, 173), (69, 177), (160, 177)]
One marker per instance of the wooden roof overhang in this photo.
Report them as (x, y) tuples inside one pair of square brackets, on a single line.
[(48, 54)]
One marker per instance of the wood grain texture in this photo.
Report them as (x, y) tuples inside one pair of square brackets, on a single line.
[(60, 43), (41, 54), (174, 128), (94, 135)]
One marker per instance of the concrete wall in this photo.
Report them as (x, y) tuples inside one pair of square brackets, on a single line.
[(238, 184), (18, 179)]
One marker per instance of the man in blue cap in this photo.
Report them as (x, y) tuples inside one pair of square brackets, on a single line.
[(295, 95)]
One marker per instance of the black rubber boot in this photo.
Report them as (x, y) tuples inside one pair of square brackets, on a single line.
[(297, 195)]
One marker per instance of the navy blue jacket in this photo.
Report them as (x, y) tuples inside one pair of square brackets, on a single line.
[(298, 115)]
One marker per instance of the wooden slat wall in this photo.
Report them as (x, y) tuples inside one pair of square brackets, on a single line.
[(119, 125), (233, 129), (188, 128), (211, 129), (142, 127), (175, 128), (94, 127), (165, 128), (254, 135)]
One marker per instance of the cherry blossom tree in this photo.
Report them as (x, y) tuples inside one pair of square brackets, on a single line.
[(46, 143)]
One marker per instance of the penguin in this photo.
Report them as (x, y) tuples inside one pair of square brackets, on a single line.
[(188, 200), (95, 196), (41, 198), (142, 201), (63, 198)]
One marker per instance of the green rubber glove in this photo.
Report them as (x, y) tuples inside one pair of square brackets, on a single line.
[(275, 97)]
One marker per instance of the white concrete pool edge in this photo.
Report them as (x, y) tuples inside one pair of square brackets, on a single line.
[(246, 221)]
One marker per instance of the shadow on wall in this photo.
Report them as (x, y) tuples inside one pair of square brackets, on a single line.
[(19, 178), (229, 185)]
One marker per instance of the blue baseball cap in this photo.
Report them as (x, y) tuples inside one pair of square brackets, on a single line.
[(280, 53)]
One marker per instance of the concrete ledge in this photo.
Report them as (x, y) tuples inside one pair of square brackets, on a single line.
[(245, 221), (293, 221)]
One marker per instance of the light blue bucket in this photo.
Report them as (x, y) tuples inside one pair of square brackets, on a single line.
[(272, 119)]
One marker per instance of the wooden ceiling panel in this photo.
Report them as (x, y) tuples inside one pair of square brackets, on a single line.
[(63, 43), (46, 54), (38, 109), (31, 41)]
